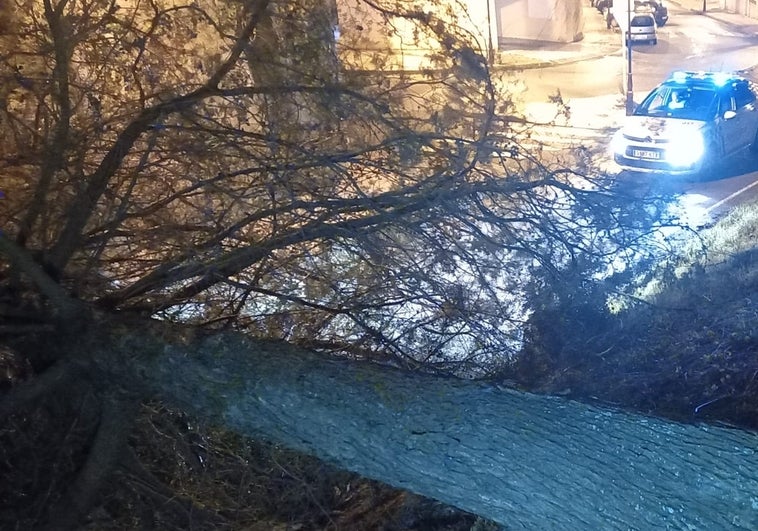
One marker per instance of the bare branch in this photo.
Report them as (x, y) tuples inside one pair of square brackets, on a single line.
[(25, 393), (116, 420), (81, 209), (22, 261)]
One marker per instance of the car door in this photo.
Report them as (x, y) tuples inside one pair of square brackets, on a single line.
[(746, 120), (727, 128)]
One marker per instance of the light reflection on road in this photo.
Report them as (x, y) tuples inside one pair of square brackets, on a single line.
[(692, 210), (589, 122), (696, 203)]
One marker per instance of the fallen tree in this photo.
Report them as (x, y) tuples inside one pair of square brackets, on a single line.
[(526, 461), (157, 197)]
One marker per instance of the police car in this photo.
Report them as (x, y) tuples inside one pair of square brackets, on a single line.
[(688, 123)]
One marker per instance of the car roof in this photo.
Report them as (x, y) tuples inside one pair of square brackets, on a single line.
[(715, 80)]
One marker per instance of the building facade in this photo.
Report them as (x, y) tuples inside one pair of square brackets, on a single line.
[(409, 35)]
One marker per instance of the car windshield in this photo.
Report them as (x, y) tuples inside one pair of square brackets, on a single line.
[(688, 103), (643, 21)]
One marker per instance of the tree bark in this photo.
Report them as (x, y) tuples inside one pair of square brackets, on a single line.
[(526, 461)]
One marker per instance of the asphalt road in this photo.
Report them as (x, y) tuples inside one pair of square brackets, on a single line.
[(702, 200), (689, 41)]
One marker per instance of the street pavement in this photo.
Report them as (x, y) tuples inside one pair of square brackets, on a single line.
[(599, 41), (745, 24), (585, 131)]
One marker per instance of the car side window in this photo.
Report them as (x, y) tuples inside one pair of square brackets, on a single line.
[(657, 103), (725, 103), (743, 95)]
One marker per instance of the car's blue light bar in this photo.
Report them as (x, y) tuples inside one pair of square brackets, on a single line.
[(721, 78), (679, 77), (717, 78)]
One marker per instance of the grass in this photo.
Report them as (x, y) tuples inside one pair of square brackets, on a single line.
[(684, 346)]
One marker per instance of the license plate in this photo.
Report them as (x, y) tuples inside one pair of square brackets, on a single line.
[(645, 154)]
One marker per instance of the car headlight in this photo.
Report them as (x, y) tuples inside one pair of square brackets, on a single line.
[(686, 149), (618, 144)]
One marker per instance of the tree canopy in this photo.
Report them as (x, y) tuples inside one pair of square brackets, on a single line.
[(237, 167), (243, 175)]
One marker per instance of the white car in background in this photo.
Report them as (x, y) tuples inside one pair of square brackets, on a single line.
[(688, 123), (643, 28)]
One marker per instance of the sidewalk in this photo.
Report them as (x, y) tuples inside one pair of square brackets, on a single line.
[(713, 10), (732, 21), (598, 41)]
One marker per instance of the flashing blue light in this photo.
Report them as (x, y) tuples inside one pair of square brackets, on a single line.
[(717, 78), (721, 78)]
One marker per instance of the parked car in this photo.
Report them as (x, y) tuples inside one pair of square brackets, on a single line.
[(656, 7), (603, 5), (643, 28), (688, 123)]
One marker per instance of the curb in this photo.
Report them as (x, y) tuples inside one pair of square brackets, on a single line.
[(547, 63), (596, 42)]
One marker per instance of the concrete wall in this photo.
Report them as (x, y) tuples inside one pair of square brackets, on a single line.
[(539, 20), (369, 40), (743, 7), (748, 8)]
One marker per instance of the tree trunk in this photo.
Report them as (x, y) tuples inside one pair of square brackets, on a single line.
[(527, 461)]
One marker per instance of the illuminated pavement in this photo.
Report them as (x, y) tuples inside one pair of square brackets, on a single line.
[(597, 42), (600, 42), (592, 119)]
